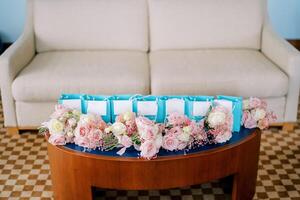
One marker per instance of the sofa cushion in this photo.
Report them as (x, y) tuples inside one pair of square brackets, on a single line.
[(91, 24), (212, 72), (91, 72), (197, 24)]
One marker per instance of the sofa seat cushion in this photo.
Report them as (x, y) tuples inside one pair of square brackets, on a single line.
[(91, 72), (211, 72)]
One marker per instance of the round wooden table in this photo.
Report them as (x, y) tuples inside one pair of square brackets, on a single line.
[(74, 172)]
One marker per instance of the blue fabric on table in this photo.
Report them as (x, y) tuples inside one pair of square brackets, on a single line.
[(131, 152)]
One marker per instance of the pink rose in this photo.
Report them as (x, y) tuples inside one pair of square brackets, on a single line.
[(271, 116), (131, 127), (223, 137), (170, 142), (148, 150), (125, 141), (250, 123), (81, 141), (182, 145), (60, 110), (175, 131), (263, 124), (254, 102), (143, 121), (246, 116), (176, 119), (57, 139), (82, 131)]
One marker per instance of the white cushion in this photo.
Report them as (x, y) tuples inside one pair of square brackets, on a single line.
[(194, 24), (91, 72), (91, 24), (213, 72)]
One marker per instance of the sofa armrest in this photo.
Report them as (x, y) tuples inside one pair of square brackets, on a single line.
[(12, 61), (287, 58)]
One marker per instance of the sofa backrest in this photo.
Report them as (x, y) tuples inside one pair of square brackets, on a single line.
[(198, 24), (90, 25)]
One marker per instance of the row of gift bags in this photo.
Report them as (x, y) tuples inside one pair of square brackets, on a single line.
[(156, 108)]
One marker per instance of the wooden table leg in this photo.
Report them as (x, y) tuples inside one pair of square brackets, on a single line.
[(244, 182)]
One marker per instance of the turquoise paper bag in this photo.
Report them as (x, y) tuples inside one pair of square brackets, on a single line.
[(237, 109), (198, 106), (149, 107), (72, 101), (119, 104), (99, 105), (173, 104)]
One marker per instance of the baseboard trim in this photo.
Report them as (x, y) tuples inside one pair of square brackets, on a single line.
[(295, 43)]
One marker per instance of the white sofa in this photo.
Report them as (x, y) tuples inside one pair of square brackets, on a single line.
[(193, 47)]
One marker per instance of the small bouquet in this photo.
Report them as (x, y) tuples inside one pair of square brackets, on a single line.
[(182, 133), (149, 138), (60, 128), (255, 114), (218, 124), (125, 130), (89, 132)]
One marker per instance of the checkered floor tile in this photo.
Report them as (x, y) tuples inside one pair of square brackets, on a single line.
[(25, 174)]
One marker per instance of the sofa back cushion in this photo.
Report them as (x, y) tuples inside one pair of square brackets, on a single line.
[(91, 25), (197, 24)]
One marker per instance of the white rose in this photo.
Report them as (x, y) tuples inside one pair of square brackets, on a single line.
[(56, 127), (118, 128), (158, 141), (187, 129), (216, 118), (246, 104), (259, 114), (108, 129), (184, 137)]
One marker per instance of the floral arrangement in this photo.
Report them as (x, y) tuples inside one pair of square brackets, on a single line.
[(60, 128), (218, 124), (255, 114), (147, 137), (182, 133)]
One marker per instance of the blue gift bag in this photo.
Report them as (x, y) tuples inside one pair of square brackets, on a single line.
[(99, 105), (149, 107), (72, 101), (119, 104), (198, 106), (172, 104), (237, 109)]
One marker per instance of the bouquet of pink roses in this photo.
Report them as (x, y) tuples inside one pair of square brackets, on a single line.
[(182, 133), (149, 138), (255, 114), (218, 124), (60, 128), (124, 129), (89, 132)]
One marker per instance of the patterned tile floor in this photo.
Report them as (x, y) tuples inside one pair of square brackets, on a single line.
[(24, 171)]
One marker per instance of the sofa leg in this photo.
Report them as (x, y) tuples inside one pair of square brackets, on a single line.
[(12, 131), (288, 126)]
